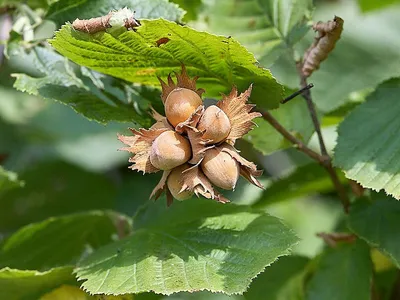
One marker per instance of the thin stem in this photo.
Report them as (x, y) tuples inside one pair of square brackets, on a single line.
[(323, 160), (291, 138), (317, 126), (311, 108), (295, 94)]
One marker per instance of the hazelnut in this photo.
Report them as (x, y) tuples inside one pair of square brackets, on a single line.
[(180, 104), (175, 184), (220, 168), (215, 124), (169, 150)]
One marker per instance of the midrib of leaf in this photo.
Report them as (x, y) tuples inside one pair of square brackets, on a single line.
[(220, 64)]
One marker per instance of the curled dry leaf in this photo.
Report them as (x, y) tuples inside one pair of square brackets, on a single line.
[(328, 34), (123, 17), (239, 113), (140, 145)]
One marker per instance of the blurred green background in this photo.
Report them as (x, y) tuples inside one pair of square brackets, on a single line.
[(70, 164)]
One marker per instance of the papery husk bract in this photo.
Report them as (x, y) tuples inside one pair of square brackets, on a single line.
[(195, 180), (247, 169), (238, 112), (183, 81), (140, 144)]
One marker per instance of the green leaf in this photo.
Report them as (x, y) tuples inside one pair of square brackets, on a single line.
[(9, 180), (53, 189), (378, 223), (191, 7), (266, 28), (367, 145), (56, 241), (293, 116), (369, 5), (59, 81), (21, 284), (343, 272), (305, 180), (280, 281), (220, 62), (194, 245), (68, 10)]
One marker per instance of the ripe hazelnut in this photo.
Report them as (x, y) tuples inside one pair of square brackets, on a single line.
[(215, 124), (220, 168), (180, 104), (175, 183), (169, 150)]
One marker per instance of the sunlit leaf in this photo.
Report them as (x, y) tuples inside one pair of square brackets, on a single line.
[(192, 246), (367, 145), (134, 56)]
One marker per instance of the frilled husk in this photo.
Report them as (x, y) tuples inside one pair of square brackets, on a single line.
[(239, 113), (140, 145), (183, 81)]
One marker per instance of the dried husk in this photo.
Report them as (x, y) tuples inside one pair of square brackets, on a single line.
[(239, 113), (140, 145)]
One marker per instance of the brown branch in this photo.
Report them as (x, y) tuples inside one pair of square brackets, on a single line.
[(333, 238), (291, 138), (323, 160), (317, 126)]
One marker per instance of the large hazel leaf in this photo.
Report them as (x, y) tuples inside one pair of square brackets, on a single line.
[(378, 223), (282, 281), (24, 284), (159, 47), (56, 241), (267, 28), (58, 80), (368, 143), (194, 245), (343, 272), (68, 10)]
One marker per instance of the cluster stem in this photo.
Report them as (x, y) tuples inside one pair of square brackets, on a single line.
[(322, 158)]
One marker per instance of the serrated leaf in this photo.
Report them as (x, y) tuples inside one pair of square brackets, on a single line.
[(378, 223), (59, 81), (305, 180), (68, 10), (367, 145), (280, 281), (210, 246), (9, 180), (220, 62), (22, 284), (52, 189), (266, 28), (56, 241), (293, 116), (343, 272)]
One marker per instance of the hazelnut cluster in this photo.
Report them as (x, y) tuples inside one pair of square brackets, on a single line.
[(194, 145)]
